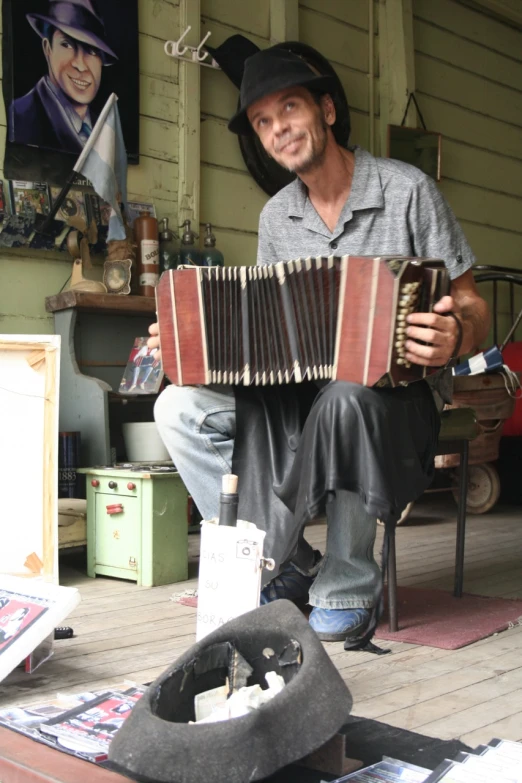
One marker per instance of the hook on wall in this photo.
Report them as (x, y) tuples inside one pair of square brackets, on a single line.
[(190, 54)]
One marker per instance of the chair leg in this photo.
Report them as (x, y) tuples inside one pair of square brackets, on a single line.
[(392, 583), (461, 520)]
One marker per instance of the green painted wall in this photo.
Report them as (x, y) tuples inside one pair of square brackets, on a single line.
[(469, 87)]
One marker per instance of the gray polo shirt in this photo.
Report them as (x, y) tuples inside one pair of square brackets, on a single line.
[(393, 209)]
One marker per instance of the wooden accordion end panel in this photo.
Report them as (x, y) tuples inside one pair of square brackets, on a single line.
[(315, 318)]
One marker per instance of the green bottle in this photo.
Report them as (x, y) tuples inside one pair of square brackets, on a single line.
[(189, 254), (168, 246), (211, 255)]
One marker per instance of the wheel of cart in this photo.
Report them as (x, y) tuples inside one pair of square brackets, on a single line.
[(483, 488)]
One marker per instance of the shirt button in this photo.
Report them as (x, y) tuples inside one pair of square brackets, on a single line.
[(459, 259), (333, 245)]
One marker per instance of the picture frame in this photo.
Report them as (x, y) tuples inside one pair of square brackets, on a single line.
[(29, 421), (417, 146), (61, 61)]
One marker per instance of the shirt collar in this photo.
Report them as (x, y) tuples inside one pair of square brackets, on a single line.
[(73, 117), (366, 193)]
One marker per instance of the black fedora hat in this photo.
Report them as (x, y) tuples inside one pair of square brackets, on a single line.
[(231, 56), (158, 744), (269, 71), (79, 19)]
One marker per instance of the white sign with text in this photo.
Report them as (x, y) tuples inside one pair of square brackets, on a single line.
[(230, 570)]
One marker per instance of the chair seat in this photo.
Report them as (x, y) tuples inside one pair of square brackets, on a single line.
[(458, 424)]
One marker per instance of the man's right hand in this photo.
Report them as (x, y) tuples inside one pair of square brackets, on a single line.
[(153, 341)]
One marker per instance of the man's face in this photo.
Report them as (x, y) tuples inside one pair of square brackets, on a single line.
[(293, 128), (74, 67)]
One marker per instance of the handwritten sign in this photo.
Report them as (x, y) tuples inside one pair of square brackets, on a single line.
[(229, 574)]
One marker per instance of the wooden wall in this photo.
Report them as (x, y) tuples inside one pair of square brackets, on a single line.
[(29, 276), (468, 70), (230, 199), (339, 29)]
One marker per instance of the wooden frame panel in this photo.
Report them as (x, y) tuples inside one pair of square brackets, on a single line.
[(29, 368)]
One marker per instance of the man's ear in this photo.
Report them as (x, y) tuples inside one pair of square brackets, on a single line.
[(328, 108), (46, 46)]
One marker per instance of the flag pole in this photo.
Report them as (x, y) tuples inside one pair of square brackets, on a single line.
[(79, 163)]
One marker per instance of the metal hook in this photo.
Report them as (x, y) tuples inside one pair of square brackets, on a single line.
[(198, 50), (177, 50)]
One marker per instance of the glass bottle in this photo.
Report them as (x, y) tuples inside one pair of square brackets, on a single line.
[(147, 241), (189, 254), (211, 256), (168, 246)]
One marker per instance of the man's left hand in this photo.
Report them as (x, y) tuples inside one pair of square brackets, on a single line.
[(440, 332)]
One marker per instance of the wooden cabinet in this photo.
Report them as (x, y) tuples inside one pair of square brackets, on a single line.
[(98, 332)]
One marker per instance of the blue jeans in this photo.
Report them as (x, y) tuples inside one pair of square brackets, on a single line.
[(198, 426)]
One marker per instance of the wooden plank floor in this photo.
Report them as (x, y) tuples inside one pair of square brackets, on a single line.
[(475, 693)]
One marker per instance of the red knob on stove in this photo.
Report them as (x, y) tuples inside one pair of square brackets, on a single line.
[(130, 485), (95, 483)]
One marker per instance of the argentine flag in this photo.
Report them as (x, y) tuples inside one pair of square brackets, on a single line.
[(104, 162)]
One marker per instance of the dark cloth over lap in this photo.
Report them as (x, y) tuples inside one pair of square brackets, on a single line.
[(295, 445)]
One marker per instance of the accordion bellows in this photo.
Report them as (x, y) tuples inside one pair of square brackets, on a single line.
[(335, 318)]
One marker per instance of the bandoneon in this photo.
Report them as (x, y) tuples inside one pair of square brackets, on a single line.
[(308, 319)]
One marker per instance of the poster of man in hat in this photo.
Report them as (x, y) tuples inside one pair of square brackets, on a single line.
[(67, 56)]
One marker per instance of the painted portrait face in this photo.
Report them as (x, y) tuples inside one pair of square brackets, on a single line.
[(74, 67)]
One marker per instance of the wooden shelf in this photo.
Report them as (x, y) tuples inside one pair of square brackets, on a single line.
[(107, 303), (126, 399)]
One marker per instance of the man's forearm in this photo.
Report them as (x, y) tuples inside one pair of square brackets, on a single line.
[(476, 321)]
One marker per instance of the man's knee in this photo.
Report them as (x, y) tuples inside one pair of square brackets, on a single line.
[(186, 407), (345, 391), (168, 406)]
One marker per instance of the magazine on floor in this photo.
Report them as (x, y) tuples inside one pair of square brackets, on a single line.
[(30, 610), (81, 724)]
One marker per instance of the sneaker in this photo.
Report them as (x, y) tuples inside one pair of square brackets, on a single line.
[(337, 625), (289, 584)]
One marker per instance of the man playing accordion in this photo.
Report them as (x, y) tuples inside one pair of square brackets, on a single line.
[(352, 452)]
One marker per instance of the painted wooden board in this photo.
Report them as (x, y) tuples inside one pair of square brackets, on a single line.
[(248, 17), (460, 124), (29, 401), (467, 89), (458, 51), (351, 11), (471, 24), (336, 39)]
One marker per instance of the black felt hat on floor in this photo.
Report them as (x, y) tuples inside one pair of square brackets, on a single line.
[(157, 744)]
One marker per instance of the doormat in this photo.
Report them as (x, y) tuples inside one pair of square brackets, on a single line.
[(435, 618)]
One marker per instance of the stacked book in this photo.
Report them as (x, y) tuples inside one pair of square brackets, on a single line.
[(498, 762)]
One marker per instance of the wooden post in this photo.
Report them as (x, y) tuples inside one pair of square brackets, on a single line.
[(397, 65), (284, 21), (189, 119)]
